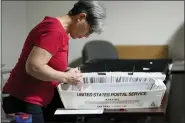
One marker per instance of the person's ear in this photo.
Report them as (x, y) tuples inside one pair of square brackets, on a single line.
[(82, 16)]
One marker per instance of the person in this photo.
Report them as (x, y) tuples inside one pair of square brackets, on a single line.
[(43, 63)]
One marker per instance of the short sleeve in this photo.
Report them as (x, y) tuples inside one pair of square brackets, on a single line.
[(48, 40)]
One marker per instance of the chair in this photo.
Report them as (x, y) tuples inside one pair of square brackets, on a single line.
[(98, 49)]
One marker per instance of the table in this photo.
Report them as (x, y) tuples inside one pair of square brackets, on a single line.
[(144, 113), (176, 107)]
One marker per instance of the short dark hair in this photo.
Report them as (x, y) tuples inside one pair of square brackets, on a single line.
[(96, 13)]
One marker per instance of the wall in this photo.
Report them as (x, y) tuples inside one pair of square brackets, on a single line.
[(176, 44), (0, 60), (13, 31), (128, 22), (0, 35)]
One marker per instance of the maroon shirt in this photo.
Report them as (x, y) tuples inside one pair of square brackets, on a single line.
[(51, 36)]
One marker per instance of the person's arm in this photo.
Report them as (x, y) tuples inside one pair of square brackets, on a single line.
[(37, 67), (46, 44)]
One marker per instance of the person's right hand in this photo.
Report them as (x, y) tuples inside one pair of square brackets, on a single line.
[(74, 76)]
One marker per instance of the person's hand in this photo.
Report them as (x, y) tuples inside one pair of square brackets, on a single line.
[(74, 76)]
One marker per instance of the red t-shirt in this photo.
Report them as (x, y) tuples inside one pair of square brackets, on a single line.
[(51, 36)]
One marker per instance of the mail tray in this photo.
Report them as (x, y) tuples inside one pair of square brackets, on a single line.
[(126, 91)]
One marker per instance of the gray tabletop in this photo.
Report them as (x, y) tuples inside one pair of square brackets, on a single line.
[(178, 66)]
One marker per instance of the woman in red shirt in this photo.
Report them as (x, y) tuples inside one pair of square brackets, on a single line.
[(44, 59)]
